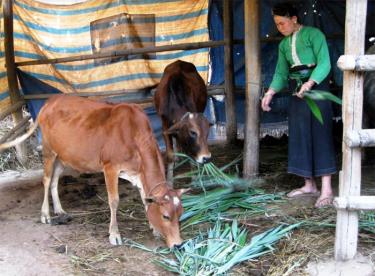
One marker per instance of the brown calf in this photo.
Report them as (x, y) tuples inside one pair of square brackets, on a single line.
[(180, 100), (117, 140)]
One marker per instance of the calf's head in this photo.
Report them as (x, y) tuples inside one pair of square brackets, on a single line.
[(163, 212), (191, 133)]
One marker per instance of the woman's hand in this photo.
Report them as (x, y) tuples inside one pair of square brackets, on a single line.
[(267, 100), (305, 87)]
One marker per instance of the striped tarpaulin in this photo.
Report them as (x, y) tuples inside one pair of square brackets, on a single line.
[(99, 26)]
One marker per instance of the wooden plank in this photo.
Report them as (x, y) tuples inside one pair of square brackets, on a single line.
[(360, 138), (133, 97), (253, 87), (30, 177), (230, 104), (14, 93), (156, 49), (12, 178), (355, 203), (11, 109), (357, 63), (18, 132), (350, 179), (20, 124)]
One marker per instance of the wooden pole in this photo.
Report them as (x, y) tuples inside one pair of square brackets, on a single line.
[(230, 103), (253, 85), (153, 49), (14, 92), (350, 176), (133, 96)]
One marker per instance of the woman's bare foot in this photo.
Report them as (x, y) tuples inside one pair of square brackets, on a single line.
[(309, 189), (302, 192), (324, 201), (326, 197)]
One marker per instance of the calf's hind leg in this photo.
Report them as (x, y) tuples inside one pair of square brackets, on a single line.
[(49, 161), (57, 170), (111, 180)]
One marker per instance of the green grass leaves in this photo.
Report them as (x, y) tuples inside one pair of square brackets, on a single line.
[(221, 248), (208, 176), (223, 202)]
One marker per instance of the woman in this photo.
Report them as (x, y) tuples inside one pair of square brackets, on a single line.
[(304, 63)]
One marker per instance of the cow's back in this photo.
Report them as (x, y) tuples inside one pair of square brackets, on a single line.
[(86, 134), (192, 84)]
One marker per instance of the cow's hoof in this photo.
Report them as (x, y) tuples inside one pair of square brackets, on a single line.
[(60, 212), (45, 219), (115, 239), (61, 219)]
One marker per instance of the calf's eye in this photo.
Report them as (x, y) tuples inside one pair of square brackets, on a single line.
[(166, 217), (193, 134)]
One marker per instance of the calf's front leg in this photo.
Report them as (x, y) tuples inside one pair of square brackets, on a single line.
[(170, 156)]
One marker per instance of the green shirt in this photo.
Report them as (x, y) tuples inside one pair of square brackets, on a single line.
[(311, 48)]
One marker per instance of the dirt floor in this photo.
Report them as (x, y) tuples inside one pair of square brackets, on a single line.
[(81, 246)]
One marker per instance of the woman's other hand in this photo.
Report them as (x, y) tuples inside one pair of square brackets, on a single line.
[(267, 100), (305, 87)]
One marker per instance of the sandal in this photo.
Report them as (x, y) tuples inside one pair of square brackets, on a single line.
[(324, 202), (301, 193)]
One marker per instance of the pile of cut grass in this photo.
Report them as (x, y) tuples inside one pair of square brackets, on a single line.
[(224, 203), (367, 221), (223, 198), (218, 250)]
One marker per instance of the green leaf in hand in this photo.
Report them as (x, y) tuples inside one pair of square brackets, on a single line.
[(322, 95), (314, 109)]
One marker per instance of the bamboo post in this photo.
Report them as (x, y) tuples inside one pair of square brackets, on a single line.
[(350, 176), (14, 92), (253, 85), (230, 103)]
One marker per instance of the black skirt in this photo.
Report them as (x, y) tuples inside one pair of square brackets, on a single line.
[(310, 149)]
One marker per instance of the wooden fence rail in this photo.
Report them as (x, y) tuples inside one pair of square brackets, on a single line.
[(153, 49), (360, 138), (135, 97), (357, 63), (355, 203)]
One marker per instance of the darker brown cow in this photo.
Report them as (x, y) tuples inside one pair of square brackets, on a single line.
[(117, 140), (180, 99)]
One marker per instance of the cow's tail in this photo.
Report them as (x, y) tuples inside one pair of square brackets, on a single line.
[(19, 139)]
